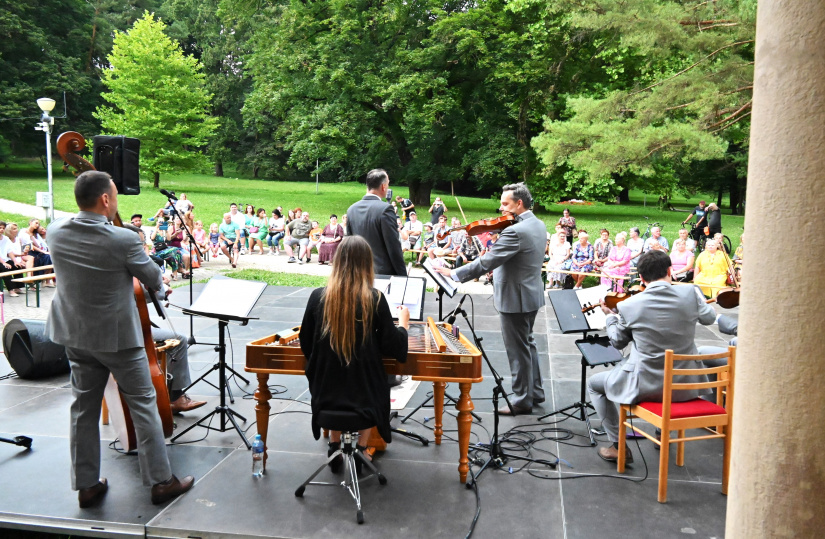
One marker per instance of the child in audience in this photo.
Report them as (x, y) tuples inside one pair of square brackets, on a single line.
[(200, 239), (214, 240)]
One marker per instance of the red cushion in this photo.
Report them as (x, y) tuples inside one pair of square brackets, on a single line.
[(692, 408)]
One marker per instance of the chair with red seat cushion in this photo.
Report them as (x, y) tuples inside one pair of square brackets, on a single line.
[(681, 416)]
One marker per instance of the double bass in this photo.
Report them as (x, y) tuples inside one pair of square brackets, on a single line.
[(68, 144)]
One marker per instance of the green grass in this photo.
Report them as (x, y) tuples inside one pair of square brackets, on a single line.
[(212, 195), (280, 279)]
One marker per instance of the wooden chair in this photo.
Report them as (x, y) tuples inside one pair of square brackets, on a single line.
[(681, 416)]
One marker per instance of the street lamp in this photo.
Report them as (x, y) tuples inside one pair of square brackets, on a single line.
[(46, 122)]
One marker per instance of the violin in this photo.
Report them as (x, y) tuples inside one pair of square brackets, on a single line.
[(727, 298), (481, 226), (614, 298), (67, 144)]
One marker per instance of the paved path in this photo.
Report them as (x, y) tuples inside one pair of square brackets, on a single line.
[(10, 206)]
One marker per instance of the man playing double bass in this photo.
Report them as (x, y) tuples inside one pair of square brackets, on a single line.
[(93, 315)]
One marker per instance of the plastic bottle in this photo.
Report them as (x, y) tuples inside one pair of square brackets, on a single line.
[(257, 457)]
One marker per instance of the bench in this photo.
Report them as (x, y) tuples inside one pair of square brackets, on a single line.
[(35, 281), (11, 273)]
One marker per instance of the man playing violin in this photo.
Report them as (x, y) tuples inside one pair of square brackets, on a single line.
[(662, 317), (93, 315), (516, 260)]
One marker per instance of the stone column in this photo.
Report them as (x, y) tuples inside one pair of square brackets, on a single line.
[(777, 486)]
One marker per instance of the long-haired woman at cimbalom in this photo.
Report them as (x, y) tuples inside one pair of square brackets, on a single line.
[(346, 331)]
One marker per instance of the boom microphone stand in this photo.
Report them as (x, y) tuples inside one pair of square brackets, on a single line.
[(170, 195), (498, 457)]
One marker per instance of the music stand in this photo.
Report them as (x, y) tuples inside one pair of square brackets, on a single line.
[(595, 350), (212, 303)]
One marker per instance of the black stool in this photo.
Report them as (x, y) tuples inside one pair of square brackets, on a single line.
[(349, 423)]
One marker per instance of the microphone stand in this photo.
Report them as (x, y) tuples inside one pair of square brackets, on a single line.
[(498, 457), (191, 341)]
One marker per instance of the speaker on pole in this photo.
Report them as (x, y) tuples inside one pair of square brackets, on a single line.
[(120, 157), (30, 353)]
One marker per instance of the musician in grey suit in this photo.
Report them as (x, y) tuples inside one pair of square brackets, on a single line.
[(93, 315), (373, 219), (515, 260), (662, 317)]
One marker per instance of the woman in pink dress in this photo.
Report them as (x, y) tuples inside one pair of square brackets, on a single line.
[(330, 238), (682, 262), (618, 262)]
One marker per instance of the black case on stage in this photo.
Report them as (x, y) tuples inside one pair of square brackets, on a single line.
[(120, 157), (30, 353)]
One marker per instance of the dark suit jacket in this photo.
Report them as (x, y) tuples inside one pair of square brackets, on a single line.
[(373, 219)]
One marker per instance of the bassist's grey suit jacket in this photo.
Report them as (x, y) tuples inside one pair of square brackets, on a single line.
[(97, 314)]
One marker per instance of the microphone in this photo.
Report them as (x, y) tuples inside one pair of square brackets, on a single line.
[(456, 311), (167, 194)]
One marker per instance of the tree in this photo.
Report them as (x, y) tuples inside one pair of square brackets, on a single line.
[(217, 40), (158, 96), (677, 90), (40, 49), (430, 90)]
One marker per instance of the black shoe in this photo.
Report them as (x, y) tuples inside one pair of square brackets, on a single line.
[(336, 463)]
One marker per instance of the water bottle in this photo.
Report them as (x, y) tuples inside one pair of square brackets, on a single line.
[(257, 457)]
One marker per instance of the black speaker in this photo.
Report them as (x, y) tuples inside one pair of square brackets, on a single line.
[(120, 157), (30, 353)]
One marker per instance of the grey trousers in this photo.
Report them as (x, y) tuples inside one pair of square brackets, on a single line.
[(517, 331), (607, 410), (177, 358), (90, 372)]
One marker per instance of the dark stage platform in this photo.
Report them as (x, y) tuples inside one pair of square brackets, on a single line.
[(423, 497)]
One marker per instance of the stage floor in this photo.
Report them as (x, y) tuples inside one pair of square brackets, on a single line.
[(423, 497)]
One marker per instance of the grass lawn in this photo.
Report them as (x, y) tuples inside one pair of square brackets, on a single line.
[(212, 195)]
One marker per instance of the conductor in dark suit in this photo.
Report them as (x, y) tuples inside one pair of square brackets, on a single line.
[(373, 219), (94, 316), (515, 260)]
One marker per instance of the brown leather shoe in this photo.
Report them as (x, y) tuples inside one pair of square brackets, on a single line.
[(89, 497), (611, 454), (517, 410), (163, 492), (185, 404)]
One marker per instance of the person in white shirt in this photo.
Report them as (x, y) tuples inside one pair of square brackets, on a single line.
[(690, 243), (411, 233), (656, 241), (636, 245), (183, 204), (276, 232)]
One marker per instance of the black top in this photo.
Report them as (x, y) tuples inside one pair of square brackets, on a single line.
[(715, 220), (700, 213), (438, 211), (362, 385)]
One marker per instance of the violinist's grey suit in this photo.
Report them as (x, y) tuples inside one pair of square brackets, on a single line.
[(93, 314), (663, 317), (516, 259)]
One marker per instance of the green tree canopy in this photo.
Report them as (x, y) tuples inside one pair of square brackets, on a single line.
[(158, 96), (678, 90)]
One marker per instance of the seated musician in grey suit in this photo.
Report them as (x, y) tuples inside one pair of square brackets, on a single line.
[(93, 314), (177, 364), (662, 317)]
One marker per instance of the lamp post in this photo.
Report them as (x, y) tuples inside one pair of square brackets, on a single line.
[(46, 122)]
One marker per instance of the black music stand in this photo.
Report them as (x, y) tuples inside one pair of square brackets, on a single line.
[(212, 304), (595, 350)]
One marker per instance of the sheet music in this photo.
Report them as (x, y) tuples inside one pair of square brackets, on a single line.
[(596, 319), (403, 291), (214, 297), (449, 286)]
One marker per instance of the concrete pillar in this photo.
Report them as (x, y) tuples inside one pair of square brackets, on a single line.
[(777, 486)]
